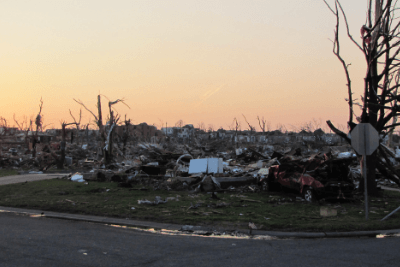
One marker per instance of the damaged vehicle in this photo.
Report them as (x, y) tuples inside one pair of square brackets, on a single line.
[(320, 176)]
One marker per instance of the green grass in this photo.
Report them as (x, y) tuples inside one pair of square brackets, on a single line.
[(267, 210), (6, 172)]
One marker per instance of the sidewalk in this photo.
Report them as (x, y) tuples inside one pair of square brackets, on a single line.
[(14, 179), (176, 227)]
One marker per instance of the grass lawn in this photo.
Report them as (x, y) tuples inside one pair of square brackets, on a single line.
[(269, 211), (6, 172)]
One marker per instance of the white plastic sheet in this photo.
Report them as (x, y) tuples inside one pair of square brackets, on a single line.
[(208, 165), (77, 177)]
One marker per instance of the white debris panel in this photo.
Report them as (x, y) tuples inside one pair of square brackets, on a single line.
[(208, 165)]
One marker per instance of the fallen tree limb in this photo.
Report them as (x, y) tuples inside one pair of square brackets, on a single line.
[(338, 132), (387, 171)]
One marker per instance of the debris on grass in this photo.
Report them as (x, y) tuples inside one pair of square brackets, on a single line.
[(157, 201)]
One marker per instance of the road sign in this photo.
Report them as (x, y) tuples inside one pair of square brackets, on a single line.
[(364, 139)]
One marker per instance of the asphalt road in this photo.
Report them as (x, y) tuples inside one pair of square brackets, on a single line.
[(27, 241)]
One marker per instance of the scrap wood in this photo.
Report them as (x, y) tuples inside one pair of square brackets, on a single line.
[(258, 154)]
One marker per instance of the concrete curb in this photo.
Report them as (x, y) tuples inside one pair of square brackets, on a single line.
[(94, 219), (176, 227)]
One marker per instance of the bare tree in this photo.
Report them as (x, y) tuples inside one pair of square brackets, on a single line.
[(106, 132), (39, 124), (21, 124), (268, 126), (251, 128), (125, 135), (307, 127), (261, 123), (294, 128), (179, 124), (161, 124), (77, 123), (202, 126), (25, 128), (3, 122), (38, 120), (394, 103), (237, 127), (4, 125), (281, 128), (380, 45), (60, 163)]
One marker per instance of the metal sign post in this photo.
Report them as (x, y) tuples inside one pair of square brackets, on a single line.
[(365, 140), (365, 178)]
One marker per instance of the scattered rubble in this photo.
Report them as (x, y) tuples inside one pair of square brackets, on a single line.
[(316, 167), (328, 212), (157, 201)]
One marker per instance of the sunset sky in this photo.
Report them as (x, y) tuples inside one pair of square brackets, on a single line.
[(199, 61)]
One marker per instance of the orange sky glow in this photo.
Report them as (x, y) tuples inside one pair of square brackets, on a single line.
[(196, 61)]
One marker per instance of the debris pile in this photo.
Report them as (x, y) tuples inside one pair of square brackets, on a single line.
[(314, 167)]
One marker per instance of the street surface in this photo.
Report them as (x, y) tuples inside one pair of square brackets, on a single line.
[(36, 241)]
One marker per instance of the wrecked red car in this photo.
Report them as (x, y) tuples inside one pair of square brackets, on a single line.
[(320, 176)]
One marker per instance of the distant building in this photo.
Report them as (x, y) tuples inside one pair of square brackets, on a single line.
[(141, 131), (8, 130), (179, 132), (168, 131)]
